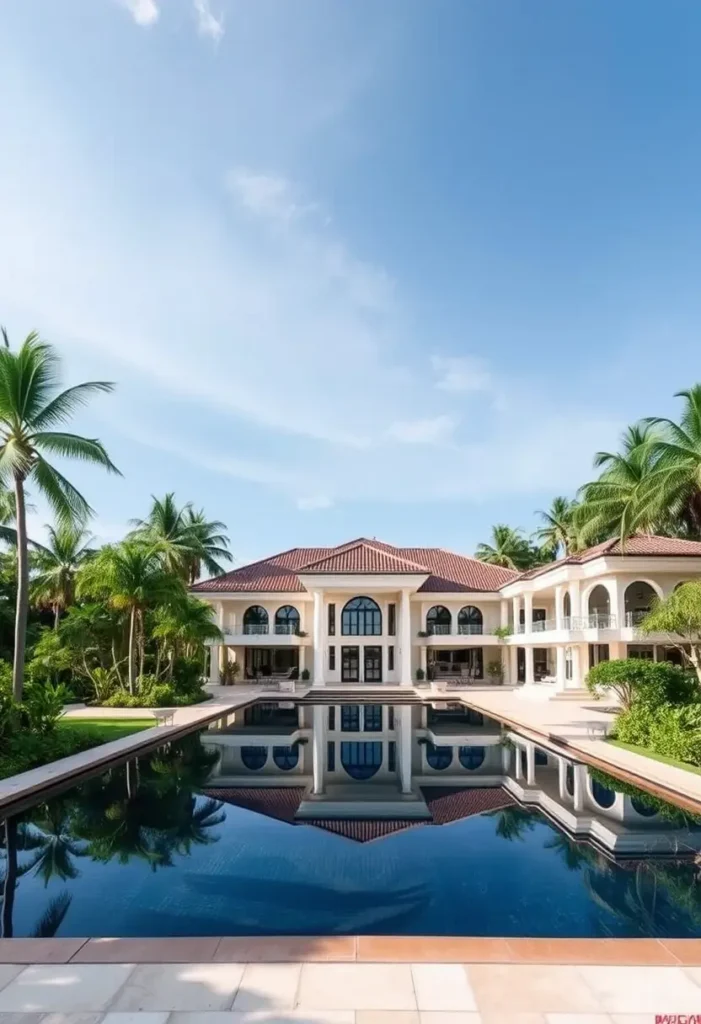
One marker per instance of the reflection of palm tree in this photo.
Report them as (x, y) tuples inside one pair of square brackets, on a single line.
[(193, 822), (52, 918), (575, 855), (18, 837), (56, 844), (513, 822)]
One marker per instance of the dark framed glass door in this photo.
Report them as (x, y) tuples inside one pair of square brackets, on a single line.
[(350, 664), (372, 664)]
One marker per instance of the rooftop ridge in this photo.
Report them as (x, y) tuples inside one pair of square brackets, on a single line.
[(364, 544)]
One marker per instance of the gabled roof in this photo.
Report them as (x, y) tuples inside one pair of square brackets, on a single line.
[(641, 545), (363, 557), (446, 571)]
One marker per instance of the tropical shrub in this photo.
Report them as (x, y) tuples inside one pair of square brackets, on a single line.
[(671, 730), (43, 706), (679, 615), (636, 680)]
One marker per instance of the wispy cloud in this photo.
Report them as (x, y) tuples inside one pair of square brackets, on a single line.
[(314, 503), (144, 12), (207, 23), (423, 431), (266, 195), (461, 374)]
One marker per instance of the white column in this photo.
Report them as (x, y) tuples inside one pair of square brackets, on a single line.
[(560, 667), (518, 769), (404, 747), (578, 667), (516, 602), (575, 599), (528, 611), (505, 759), (504, 613), (318, 638), (319, 748), (423, 653), (530, 673), (513, 664), (616, 602), (214, 674), (302, 659), (580, 773), (405, 638), (530, 764), (559, 598), (221, 649), (562, 778)]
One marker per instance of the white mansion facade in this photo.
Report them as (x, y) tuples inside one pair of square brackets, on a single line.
[(368, 612)]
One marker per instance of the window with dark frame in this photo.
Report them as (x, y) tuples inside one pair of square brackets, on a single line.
[(332, 658), (331, 756), (332, 620), (361, 617), (392, 619), (390, 658), (332, 718), (350, 718)]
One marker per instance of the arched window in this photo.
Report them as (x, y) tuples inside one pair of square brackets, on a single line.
[(255, 620), (567, 608), (438, 758), (471, 757), (639, 599), (286, 758), (361, 760), (254, 758), (287, 619), (642, 808), (361, 617), (438, 620), (603, 796), (569, 779), (599, 607), (470, 620)]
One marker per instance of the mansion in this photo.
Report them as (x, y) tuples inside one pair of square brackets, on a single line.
[(366, 612)]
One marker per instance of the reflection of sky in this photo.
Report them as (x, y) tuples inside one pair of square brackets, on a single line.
[(265, 876)]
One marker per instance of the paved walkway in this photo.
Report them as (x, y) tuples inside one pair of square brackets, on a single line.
[(237, 992)]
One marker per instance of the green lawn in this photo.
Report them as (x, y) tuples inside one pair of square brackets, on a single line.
[(656, 757), (106, 729)]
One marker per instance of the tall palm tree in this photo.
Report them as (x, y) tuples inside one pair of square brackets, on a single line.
[(30, 407), (211, 545), (508, 548), (184, 625), (672, 489), (130, 577), (610, 506), (56, 566), (557, 535)]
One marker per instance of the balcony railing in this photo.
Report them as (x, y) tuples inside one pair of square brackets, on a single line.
[(286, 628), (636, 617), (543, 625), (436, 629), (256, 629), (470, 628), (598, 620)]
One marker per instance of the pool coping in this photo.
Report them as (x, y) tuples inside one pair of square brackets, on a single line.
[(354, 948)]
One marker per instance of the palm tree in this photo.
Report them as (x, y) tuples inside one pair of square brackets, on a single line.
[(508, 549), (610, 506), (56, 845), (130, 577), (184, 625), (211, 545), (29, 408), (672, 489), (557, 536), (56, 567)]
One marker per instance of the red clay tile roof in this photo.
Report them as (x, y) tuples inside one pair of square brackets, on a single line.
[(448, 804), (649, 546), (447, 572)]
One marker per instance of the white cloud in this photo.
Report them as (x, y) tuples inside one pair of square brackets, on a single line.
[(207, 23), (144, 12), (423, 431), (265, 195), (461, 373), (314, 503)]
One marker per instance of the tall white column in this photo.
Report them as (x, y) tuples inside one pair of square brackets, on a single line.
[(560, 667), (562, 778), (302, 659), (405, 638), (423, 653), (516, 602), (503, 613), (214, 674), (318, 748), (221, 649), (518, 764), (530, 672), (577, 679), (559, 608), (505, 759), (318, 638), (530, 764), (513, 664), (575, 599), (404, 747), (528, 611)]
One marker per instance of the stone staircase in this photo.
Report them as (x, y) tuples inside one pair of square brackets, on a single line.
[(361, 694)]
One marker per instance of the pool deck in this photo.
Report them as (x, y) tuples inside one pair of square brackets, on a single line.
[(353, 980)]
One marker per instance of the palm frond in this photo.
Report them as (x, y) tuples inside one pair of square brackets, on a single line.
[(68, 402), (72, 446), (67, 503)]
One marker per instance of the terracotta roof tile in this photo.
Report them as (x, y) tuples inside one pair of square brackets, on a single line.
[(649, 546), (447, 572)]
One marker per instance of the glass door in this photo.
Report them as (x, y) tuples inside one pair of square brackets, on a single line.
[(372, 665), (350, 664)]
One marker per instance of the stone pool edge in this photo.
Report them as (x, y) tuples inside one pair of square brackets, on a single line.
[(354, 948)]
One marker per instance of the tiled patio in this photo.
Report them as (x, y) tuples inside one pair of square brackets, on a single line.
[(348, 981)]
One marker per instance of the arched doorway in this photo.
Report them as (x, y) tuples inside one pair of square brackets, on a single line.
[(255, 620), (438, 620), (599, 607), (567, 611), (470, 620), (639, 599)]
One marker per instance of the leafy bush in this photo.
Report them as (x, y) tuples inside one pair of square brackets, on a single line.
[(668, 729), (159, 695), (25, 750), (43, 706), (635, 680)]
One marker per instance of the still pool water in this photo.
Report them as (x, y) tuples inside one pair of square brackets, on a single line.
[(141, 850)]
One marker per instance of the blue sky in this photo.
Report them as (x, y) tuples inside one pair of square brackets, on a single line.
[(395, 269)]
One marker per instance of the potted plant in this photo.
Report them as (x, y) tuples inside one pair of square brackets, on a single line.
[(420, 675), (495, 671), (422, 632), (232, 670), (305, 674)]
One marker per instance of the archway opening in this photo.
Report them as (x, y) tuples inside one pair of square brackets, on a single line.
[(470, 620), (438, 620), (255, 620), (287, 619), (639, 599), (599, 608)]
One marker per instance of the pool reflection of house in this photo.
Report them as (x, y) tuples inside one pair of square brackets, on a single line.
[(384, 767)]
